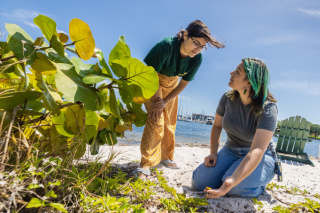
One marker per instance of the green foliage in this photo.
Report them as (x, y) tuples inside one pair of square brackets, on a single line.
[(307, 206), (179, 202), (259, 203), (60, 99)]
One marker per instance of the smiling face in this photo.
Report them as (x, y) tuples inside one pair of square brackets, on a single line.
[(238, 80), (191, 46)]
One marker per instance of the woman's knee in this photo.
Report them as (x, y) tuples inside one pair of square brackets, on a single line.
[(204, 177)]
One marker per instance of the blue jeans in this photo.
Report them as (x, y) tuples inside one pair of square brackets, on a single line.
[(227, 162)]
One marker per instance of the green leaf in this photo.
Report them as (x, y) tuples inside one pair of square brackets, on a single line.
[(125, 93), (92, 121), (112, 106), (83, 69), (93, 79), (57, 46), (139, 76), (17, 35), (35, 203), (59, 121), (119, 51), (10, 100), (80, 33), (74, 118), (39, 41), (51, 97), (141, 116), (103, 63), (94, 147), (58, 206), (51, 194), (34, 105), (46, 25), (56, 58), (70, 84), (108, 137), (57, 183), (33, 186)]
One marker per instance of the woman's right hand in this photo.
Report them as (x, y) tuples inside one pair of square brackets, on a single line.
[(211, 160)]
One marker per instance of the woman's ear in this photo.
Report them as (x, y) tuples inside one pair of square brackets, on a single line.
[(185, 35)]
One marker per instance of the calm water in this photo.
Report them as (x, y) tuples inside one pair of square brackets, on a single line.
[(189, 132)]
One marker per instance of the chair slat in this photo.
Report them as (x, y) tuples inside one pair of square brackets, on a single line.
[(290, 123), (297, 122)]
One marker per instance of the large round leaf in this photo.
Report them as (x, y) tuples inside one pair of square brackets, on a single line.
[(120, 50), (80, 33), (58, 122), (138, 74), (42, 64), (15, 39), (10, 100), (125, 92), (83, 69), (70, 84), (47, 26)]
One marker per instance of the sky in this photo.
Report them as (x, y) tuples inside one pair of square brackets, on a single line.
[(284, 34)]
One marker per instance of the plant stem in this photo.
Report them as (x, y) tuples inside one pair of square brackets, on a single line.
[(8, 58), (8, 138)]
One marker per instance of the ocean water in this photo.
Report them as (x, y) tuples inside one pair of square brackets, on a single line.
[(190, 132)]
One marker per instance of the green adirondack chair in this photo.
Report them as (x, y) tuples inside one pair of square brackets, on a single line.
[(292, 139)]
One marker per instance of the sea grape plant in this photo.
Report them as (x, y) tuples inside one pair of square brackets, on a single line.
[(53, 101)]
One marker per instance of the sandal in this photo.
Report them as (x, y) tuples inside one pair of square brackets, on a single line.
[(167, 163), (146, 172)]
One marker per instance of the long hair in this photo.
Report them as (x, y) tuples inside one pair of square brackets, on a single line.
[(198, 29), (258, 76)]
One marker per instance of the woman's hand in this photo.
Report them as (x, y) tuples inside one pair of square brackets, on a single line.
[(158, 105), (210, 160), (227, 185), (156, 114)]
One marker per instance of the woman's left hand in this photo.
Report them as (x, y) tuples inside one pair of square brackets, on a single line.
[(158, 105), (227, 185)]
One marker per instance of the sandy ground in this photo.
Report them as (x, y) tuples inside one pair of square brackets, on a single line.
[(295, 175)]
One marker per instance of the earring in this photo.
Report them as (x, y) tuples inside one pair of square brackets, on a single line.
[(245, 91)]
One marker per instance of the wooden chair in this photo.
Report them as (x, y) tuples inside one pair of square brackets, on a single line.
[(292, 139)]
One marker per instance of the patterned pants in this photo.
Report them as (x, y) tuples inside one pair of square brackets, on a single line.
[(157, 143)]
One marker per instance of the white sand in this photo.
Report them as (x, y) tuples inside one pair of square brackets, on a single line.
[(295, 175)]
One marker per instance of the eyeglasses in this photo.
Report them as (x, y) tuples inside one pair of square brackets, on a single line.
[(197, 45)]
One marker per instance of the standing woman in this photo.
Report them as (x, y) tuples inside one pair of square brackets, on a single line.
[(172, 57)]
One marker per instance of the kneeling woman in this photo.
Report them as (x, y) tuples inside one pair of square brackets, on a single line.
[(248, 114)]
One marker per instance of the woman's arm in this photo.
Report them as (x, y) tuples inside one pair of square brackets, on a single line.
[(161, 103), (214, 141), (259, 145)]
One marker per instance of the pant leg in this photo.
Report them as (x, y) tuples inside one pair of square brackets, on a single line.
[(256, 182), (212, 176), (151, 140), (170, 121)]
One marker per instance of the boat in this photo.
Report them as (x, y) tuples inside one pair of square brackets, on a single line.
[(188, 119), (209, 121)]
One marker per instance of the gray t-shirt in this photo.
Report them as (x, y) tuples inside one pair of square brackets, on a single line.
[(240, 123)]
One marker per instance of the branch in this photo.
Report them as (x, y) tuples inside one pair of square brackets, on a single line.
[(7, 59), (109, 86), (66, 45)]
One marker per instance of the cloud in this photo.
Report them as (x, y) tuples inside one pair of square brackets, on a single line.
[(276, 39), (184, 98), (31, 24), (22, 14), (306, 87), (311, 12), (61, 31)]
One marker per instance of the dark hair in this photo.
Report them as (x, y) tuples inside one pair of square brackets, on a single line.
[(258, 75), (198, 29)]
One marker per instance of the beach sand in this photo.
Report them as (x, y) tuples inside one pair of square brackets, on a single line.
[(189, 157)]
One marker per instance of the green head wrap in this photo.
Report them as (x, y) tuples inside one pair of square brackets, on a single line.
[(258, 75)]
